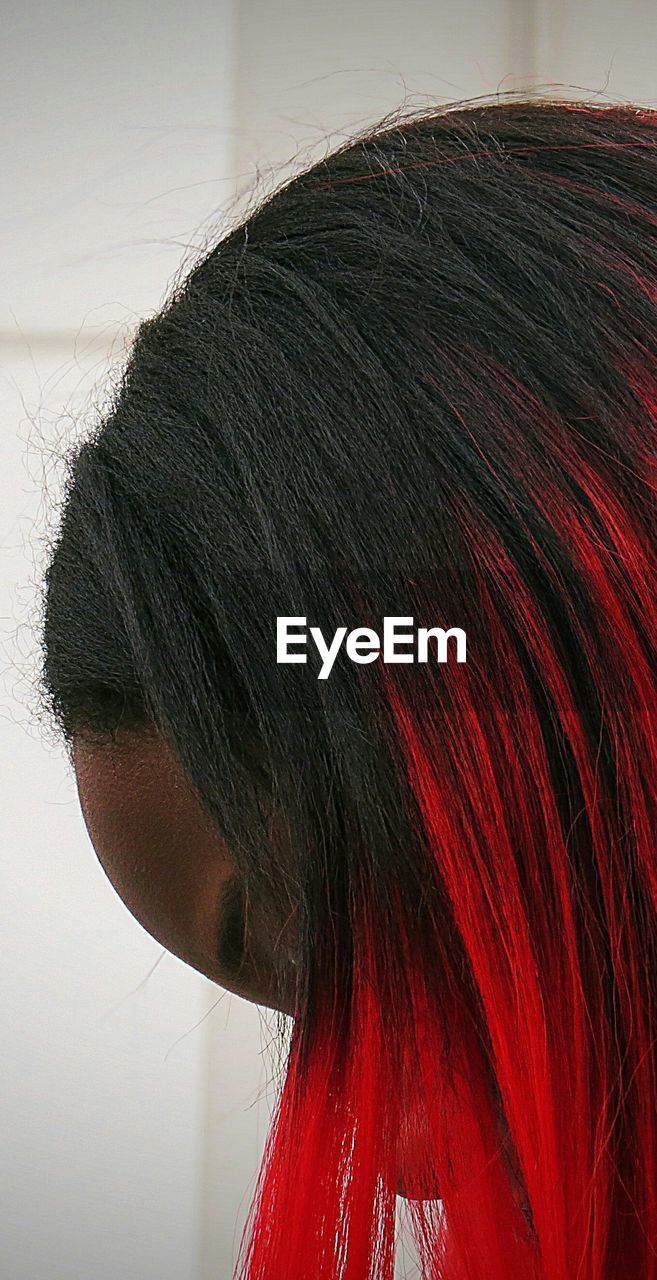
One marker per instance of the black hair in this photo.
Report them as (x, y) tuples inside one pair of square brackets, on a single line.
[(360, 403)]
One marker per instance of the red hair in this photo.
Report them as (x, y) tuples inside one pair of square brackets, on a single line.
[(547, 1004), (421, 379), (535, 997)]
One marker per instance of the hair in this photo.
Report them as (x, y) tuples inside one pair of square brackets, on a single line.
[(419, 379)]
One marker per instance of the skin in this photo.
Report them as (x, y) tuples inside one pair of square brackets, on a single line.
[(170, 867), (166, 861)]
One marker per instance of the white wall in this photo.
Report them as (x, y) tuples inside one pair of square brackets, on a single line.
[(101, 1115), (116, 139), (131, 1130)]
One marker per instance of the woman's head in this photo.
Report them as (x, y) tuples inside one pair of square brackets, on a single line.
[(420, 380)]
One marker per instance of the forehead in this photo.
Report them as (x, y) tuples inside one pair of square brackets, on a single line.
[(136, 774), (136, 788), (154, 840)]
